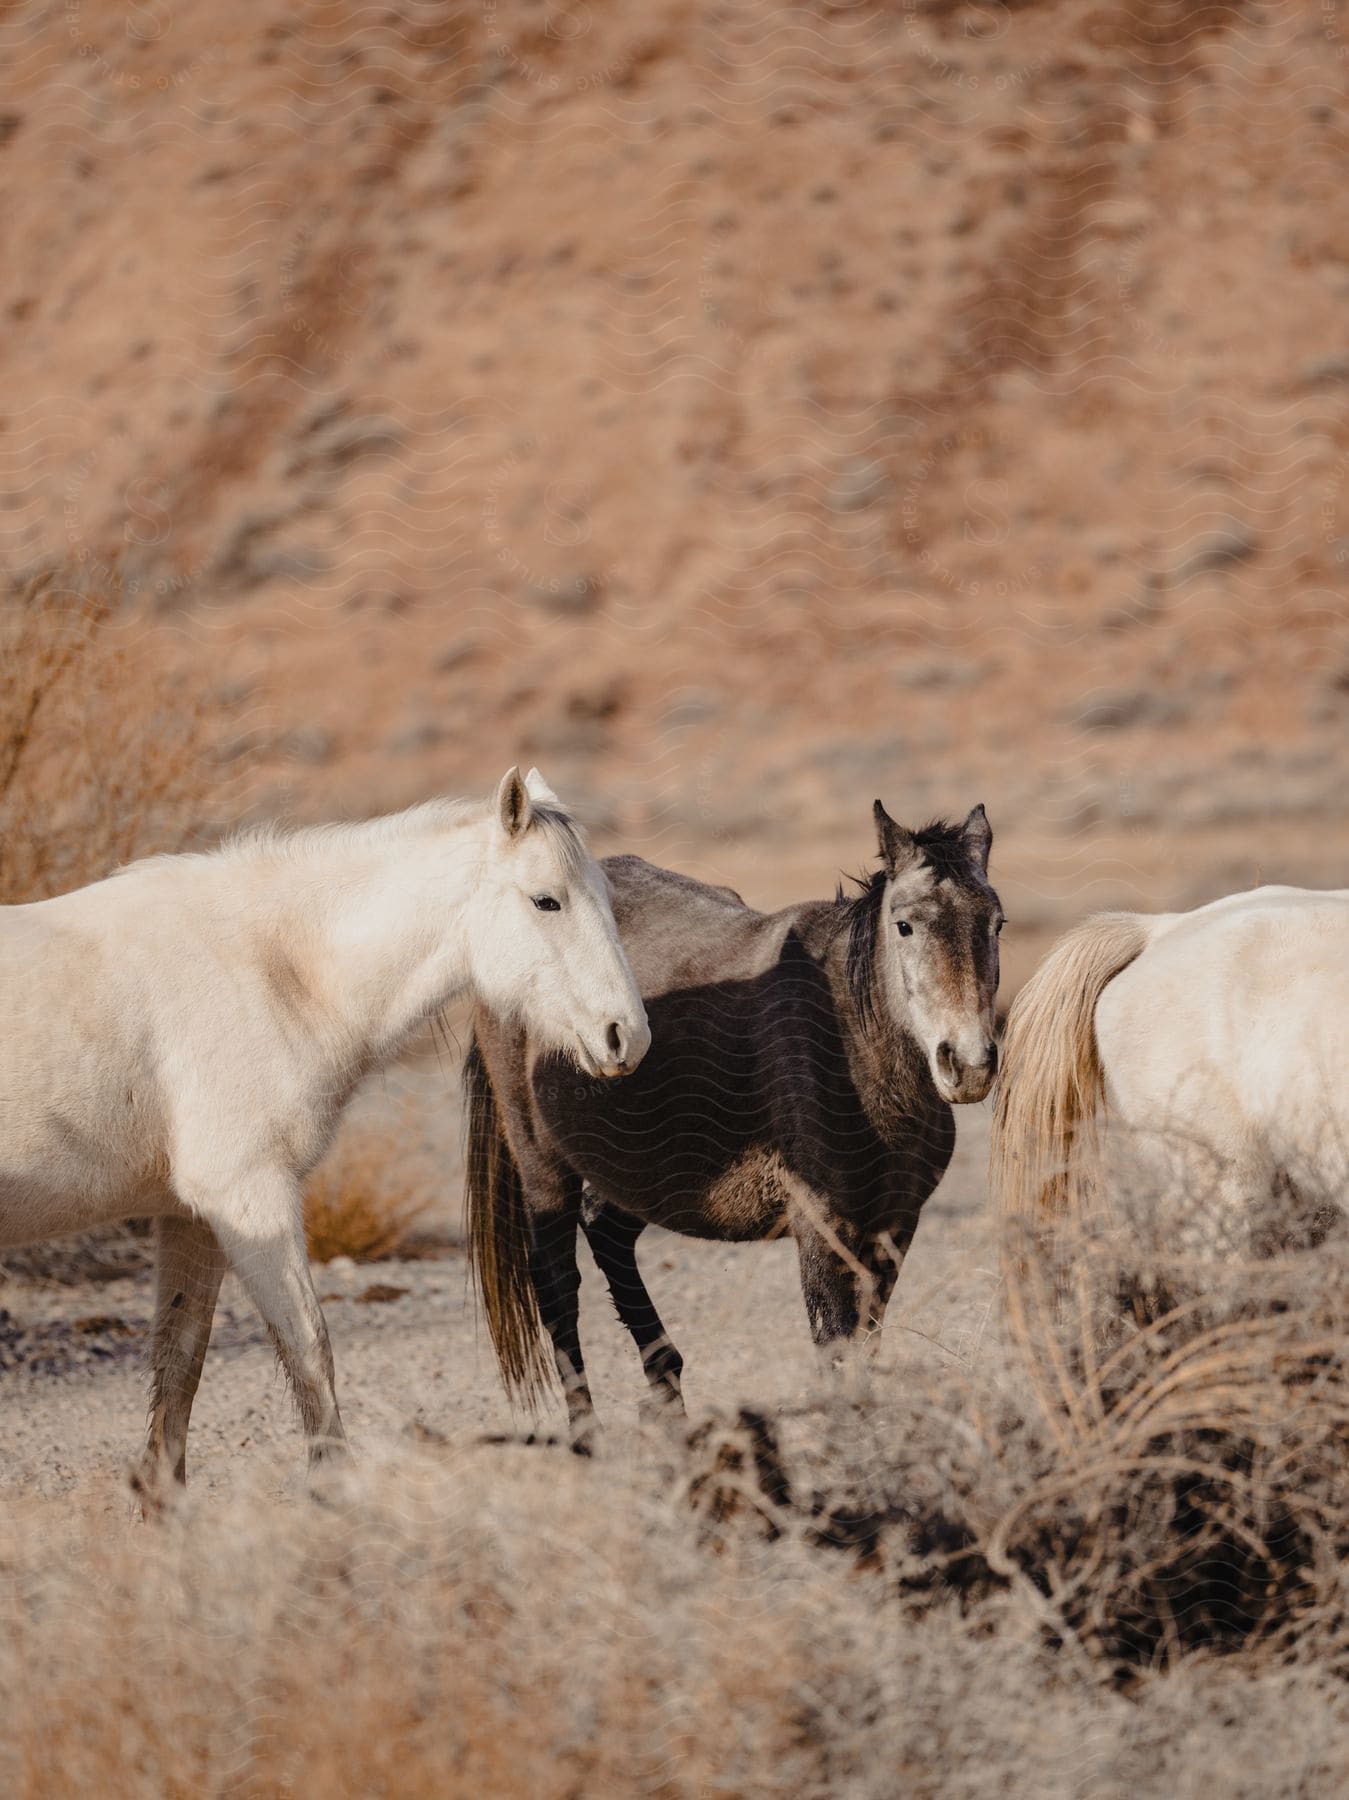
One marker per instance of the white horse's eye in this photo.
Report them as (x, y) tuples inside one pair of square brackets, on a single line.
[(546, 903), (904, 928)]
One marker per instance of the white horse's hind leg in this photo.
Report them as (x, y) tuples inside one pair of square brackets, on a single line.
[(268, 1255), (188, 1269)]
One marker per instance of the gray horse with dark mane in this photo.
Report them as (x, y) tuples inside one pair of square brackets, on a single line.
[(801, 1076)]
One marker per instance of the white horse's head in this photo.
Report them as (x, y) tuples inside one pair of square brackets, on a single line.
[(543, 945)]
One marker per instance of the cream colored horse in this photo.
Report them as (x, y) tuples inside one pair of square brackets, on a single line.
[(178, 1041), (1215, 1046)]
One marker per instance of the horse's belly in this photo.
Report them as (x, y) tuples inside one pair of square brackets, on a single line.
[(34, 1209), (742, 1200), (63, 1170), (743, 1203), (750, 1200), (679, 1143)]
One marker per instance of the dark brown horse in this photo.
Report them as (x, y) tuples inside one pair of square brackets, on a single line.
[(800, 1078)]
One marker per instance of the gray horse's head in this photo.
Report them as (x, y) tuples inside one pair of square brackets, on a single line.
[(926, 947)]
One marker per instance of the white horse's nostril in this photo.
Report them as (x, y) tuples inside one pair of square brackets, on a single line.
[(613, 1038)]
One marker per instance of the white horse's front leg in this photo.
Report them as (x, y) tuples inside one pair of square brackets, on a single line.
[(188, 1269), (262, 1233)]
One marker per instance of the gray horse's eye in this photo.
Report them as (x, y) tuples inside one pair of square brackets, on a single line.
[(904, 928), (546, 903), (998, 925)]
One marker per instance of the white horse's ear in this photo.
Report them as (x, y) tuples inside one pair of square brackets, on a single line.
[(895, 844), (539, 790), (978, 836), (513, 807)]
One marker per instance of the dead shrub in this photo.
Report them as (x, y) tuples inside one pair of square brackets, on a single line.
[(1195, 1414), (1153, 1481)]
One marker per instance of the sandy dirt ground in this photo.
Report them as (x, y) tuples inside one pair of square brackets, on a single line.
[(412, 1356)]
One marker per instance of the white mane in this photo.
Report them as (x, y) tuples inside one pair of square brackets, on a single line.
[(422, 820), (271, 839)]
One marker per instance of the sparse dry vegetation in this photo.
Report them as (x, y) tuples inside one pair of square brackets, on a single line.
[(1108, 1558), (105, 752)]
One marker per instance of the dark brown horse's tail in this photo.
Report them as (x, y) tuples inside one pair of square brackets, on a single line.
[(498, 1240)]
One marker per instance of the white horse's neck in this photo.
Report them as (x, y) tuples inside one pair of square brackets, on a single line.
[(372, 922)]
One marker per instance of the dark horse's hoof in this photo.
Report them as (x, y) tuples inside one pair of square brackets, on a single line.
[(665, 1411)]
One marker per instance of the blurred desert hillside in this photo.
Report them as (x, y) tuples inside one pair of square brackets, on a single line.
[(740, 410)]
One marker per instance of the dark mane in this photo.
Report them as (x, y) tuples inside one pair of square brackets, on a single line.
[(862, 922), (946, 851)]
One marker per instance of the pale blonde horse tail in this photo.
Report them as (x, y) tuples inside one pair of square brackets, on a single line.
[(499, 1239), (1051, 1089)]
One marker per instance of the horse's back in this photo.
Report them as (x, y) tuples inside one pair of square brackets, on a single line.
[(1275, 959), (681, 933), (1234, 1023)]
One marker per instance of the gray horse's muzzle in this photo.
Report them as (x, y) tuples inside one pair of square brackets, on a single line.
[(961, 1082)]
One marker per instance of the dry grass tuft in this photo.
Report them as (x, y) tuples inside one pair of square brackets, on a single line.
[(1193, 1405), (371, 1192)]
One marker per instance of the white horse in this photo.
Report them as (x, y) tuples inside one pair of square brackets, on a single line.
[(1214, 1044), (178, 1041)]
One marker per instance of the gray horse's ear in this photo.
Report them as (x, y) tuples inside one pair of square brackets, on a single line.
[(513, 806), (978, 836), (894, 842)]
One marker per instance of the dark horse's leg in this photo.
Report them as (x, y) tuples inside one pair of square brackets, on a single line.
[(882, 1256), (557, 1283), (612, 1235), (847, 1278)]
